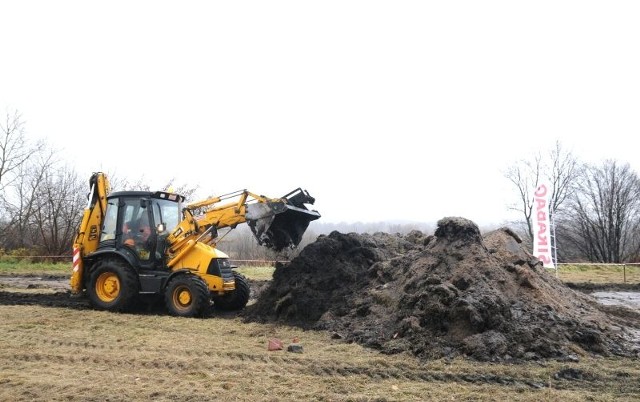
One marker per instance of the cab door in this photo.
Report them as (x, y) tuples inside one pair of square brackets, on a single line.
[(137, 228)]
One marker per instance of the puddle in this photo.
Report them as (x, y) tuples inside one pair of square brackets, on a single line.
[(28, 282), (626, 299)]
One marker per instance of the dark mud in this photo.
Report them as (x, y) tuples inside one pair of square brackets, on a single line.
[(604, 287), (53, 291), (57, 299), (455, 293)]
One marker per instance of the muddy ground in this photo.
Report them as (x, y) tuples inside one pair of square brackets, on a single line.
[(455, 293), (53, 291)]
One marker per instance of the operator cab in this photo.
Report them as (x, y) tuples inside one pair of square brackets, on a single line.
[(137, 223)]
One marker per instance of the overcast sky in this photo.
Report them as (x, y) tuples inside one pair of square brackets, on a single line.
[(381, 110)]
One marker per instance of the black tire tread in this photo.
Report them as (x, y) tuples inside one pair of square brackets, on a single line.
[(239, 298), (128, 282), (199, 291)]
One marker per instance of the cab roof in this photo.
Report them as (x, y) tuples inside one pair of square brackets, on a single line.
[(148, 194)]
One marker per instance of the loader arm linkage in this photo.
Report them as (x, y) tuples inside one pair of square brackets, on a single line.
[(277, 223)]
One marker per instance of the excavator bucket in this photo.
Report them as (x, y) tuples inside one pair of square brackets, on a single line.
[(281, 224)]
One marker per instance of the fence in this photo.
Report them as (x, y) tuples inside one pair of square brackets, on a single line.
[(256, 263), (567, 272), (599, 272), (36, 258), (68, 258)]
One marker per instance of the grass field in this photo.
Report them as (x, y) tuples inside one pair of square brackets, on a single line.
[(56, 353), (13, 267), (568, 273), (589, 273), (65, 354)]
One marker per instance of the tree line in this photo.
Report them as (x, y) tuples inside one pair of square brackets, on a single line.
[(595, 207)]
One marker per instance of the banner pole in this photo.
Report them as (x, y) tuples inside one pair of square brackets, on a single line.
[(543, 244), (554, 247)]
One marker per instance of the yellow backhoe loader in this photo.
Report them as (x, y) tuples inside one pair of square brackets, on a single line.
[(133, 243)]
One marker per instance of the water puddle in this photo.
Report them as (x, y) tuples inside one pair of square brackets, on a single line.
[(626, 299), (29, 282)]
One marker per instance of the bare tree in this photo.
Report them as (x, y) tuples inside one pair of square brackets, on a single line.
[(142, 184), (605, 214), (559, 167), (59, 209), (15, 149), (21, 199), (183, 189)]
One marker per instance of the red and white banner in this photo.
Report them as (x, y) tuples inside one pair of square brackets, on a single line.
[(542, 225)]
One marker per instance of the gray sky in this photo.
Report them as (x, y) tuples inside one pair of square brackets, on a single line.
[(382, 110)]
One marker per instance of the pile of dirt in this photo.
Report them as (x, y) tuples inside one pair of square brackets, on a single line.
[(454, 293)]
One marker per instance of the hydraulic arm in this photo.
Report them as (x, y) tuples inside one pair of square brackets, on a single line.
[(88, 235), (277, 223)]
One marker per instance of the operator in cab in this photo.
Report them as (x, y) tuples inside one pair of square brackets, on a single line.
[(136, 233)]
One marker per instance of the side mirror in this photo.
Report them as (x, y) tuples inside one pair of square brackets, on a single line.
[(160, 228)]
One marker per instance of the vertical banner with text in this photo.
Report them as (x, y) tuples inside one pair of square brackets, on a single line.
[(542, 225)]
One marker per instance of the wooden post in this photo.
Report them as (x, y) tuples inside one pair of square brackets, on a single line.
[(624, 272)]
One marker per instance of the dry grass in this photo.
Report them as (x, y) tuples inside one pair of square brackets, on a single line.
[(589, 273), (64, 354), (54, 353)]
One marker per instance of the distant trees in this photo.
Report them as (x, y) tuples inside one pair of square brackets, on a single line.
[(141, 184), (15, 149), (596, 208), (61, 200), (20, 200), (558, 167), (603, 221), (40, 201)]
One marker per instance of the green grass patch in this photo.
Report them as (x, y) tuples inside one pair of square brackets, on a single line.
[(577, 273), (12, 266), (9, 267), (257, 273)]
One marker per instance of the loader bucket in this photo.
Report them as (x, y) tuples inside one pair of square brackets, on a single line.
[(281, 224)]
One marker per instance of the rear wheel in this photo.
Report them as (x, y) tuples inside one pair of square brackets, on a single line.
[(187, 296), (237, 299), (113, 285)]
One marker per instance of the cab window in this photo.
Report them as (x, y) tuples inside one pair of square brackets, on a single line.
[(110, 219)]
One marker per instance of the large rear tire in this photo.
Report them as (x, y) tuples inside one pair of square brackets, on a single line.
[(187, 296), (113, 285), (237, 299)]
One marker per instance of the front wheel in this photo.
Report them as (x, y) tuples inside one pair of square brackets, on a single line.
[(113, 285), (187, 296), (238, 298)]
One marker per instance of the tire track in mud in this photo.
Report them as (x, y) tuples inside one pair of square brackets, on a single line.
[(31, 339), (62, 298), (397, 371), (86, 353), (22, 340), (68, 352), (58, 299), (293, 367), (93, 354)]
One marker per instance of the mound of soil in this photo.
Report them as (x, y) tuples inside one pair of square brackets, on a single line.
[(454, 293)]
